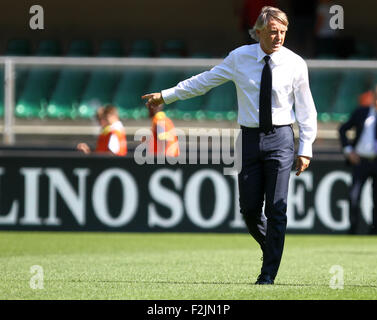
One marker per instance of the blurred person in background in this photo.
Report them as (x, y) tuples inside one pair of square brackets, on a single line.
[(164, 139), (361, 154), (112, 138), (269, 79), (366, 98)]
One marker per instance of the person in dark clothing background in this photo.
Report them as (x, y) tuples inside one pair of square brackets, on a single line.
[(361, 154)]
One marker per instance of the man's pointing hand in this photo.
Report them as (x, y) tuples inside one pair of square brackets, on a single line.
[(154, 99)]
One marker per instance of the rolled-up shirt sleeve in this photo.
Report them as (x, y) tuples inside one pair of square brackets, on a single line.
[(306, 113), (201, 83)]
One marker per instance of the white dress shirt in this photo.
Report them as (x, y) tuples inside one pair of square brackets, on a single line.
[(243, 66), (365, 147)]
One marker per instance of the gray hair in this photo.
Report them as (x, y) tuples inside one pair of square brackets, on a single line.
[(267, 13)]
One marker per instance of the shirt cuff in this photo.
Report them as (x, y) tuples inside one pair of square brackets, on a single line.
[(169, 95), (347, 149), (305, 149)]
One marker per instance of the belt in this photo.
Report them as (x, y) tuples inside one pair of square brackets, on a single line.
[(257, 129)]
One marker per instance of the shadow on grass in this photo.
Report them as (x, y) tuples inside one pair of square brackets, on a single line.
[(221, 283)]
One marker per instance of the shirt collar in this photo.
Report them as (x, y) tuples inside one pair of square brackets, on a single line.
[(276, 57)]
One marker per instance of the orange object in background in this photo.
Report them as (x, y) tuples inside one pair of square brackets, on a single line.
[(164, 136), (104, 140), (366, 99)]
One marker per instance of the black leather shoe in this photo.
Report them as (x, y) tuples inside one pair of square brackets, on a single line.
[(264, 279)]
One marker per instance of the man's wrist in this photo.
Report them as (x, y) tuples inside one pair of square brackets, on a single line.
[(162, 98), (168, 95)]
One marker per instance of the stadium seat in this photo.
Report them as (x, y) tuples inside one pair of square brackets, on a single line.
[(132, 85), (163, 79), (352, 84), (80, 48), (65, 98), (364, 50), (324, 84), (111, 48), (32, 102), (99, 91), (18, 47), (190, 109), (70, 84), (48, 48), (221, 103), (15, 47), (173, 48), (101, 83), (142, 48)]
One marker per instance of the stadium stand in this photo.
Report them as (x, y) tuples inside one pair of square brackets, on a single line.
[(102, 83), (352, 84), (32, 102), (133, 83), (142, 48), (222, 103), (173, 48), (190, 109), (72, 93), (18, 47), (15, 47), (128, 92), (70, 85)]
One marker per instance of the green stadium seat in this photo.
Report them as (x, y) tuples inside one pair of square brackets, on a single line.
[(101, 84), (18, 47), (39, 83), (352, 84), (99, 91), (48, 48), (173, 48), (163, 79), (65, 98), (190, 109), (324, 84), (221, 103), (15, 47), (71, 82), (132, 85), (364, 50), (32, 102), (142, 48), (111, 48), (80, 48)]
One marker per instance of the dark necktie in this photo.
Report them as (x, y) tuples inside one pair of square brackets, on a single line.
[(265, 117)]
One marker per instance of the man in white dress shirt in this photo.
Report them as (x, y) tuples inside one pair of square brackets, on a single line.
[(361, 153), (269, 80)]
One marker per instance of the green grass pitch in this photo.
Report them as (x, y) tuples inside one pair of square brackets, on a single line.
[(183, 266)]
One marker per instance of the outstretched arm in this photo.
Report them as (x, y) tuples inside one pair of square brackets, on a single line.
[(194, 86)]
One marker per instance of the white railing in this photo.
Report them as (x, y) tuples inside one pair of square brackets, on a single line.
[(10, 63)]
